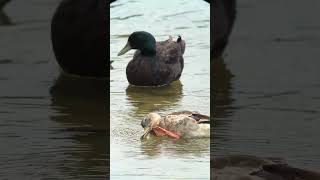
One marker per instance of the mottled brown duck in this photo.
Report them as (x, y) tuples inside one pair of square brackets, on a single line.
[(183, 124), (154, 63)]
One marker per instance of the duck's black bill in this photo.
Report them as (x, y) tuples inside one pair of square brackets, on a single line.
[(126, 48)]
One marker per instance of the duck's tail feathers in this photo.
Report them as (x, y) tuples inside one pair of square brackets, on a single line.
[(179, 39), (181, 43)]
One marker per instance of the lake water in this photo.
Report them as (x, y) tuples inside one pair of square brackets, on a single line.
[(266, 97), (267, 100), (51, 126), (159, 158)]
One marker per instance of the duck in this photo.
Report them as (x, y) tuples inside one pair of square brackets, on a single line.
[(153, 63), (3, 3), (224, 15), (176, 125), (79, 37)]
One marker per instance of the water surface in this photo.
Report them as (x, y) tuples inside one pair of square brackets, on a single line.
[(267, 88)]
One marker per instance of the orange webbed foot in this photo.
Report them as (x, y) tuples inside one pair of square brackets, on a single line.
[(159, 131)]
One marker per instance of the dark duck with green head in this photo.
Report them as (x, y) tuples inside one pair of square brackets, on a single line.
[(79, 37), (154, 63)]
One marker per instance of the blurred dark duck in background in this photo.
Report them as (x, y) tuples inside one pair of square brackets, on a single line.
[(79, 37), (4, 19)]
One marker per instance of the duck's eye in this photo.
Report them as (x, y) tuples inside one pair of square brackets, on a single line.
[(143, 122)]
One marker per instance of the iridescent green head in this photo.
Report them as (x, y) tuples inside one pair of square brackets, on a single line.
[(141, 40)]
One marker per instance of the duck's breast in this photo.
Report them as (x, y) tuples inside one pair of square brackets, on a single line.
[(140, 70)]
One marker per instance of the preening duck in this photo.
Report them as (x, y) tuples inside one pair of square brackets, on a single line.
[(154, 63), (183, 124)]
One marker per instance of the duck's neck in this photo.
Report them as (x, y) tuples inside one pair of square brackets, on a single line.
[(148, 53), (148, 49)]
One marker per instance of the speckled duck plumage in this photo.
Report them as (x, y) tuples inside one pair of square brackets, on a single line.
[(183, 124)]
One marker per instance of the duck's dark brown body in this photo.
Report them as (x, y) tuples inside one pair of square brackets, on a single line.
[(224, 14), (160, 69)]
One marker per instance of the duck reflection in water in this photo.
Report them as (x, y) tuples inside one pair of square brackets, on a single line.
[(151, 99), (82, 115), (80, 102), (222, 95), (222, 102), (223, 21), (157, 146)]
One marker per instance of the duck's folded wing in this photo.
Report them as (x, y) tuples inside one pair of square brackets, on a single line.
[(170, 61), (200, 118), (170, 52)]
